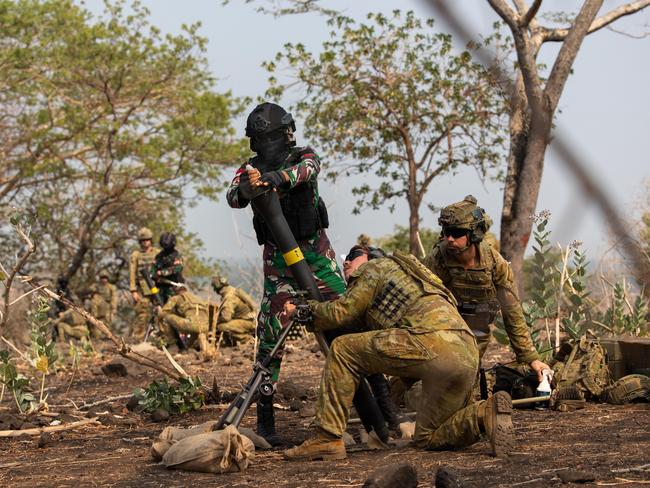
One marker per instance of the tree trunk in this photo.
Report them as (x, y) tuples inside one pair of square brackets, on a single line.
[(414, 228)]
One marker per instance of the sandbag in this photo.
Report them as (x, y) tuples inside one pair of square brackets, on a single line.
[(171, 435), (221, 451)]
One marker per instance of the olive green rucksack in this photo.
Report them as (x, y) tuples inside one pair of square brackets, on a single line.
[(630, 388), (582, 364)]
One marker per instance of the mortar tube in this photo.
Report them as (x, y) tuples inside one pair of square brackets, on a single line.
[(267, 205)]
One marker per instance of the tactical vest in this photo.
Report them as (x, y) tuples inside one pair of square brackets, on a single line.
[(473, 288), (193, 307), (304, 218), (145, 261)]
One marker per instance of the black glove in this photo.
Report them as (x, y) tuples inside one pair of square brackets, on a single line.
[(274, 178), (245, 187)]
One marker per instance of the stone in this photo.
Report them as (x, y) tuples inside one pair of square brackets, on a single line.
[(44, 440), (307, 411), (133, 404), (115, 370), (403, 475), (575, 476), (160, 415), (447, 478), (28, 425)]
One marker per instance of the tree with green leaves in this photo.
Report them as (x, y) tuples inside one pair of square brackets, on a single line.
[(109, 126), (394, 99)]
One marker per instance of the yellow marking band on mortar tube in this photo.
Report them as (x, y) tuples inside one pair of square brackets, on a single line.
[(154, 290), (294, 256)]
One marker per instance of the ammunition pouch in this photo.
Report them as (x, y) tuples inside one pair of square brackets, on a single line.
[(479, 316)]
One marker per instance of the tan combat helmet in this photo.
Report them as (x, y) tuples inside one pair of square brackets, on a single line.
[(466, 214), (144, 234), (218, 282)]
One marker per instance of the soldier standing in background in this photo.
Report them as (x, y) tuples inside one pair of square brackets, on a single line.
[(167, 267), (141, 259), (293, 173), (480, 279), (237, 312)]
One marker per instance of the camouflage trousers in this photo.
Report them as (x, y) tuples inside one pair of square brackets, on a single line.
[(170, 322), (143, 314), (236, 331), (280, 287), (71, 324), (446, 361)]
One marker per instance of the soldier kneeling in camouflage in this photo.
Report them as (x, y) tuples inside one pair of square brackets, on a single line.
[(409, 326), (186, 313), (237, 313)]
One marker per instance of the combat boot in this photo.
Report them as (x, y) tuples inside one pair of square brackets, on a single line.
[(266, 421), (495, 417), (324, 446)]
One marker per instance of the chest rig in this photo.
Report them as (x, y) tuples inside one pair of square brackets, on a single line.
[(473, 288), (304, 214)]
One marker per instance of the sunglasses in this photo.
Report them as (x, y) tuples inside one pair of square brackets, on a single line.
[(355, 253), (454, 232)]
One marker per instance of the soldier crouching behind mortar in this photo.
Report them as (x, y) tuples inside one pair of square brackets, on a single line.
[(408, 326), (237, 312), (480, 279)]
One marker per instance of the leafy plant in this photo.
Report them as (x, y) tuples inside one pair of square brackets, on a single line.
[(184, 397), (43, 348), (17, 383)]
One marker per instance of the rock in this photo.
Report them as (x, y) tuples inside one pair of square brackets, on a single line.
[(403, 475), (160, 415), (145, 348), (290, 391), (115, 369), (447, 478), (133, 404), (10, 422), (348, 440), (28, 425), (575, 476), (307, 411), (44, 440), (295, 405)]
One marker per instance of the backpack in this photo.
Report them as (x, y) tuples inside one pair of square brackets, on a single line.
[(582, 364)]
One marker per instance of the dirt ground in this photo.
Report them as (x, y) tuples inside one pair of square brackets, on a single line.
[(608, 441)]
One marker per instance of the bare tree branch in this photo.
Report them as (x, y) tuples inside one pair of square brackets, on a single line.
[(19, 264), (558, 35)]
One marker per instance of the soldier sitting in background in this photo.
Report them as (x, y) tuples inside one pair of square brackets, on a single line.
[(104, 300), (185, 313), (70, 324), (237, 313)]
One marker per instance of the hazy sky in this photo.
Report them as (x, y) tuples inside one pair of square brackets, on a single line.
[(605, 111)]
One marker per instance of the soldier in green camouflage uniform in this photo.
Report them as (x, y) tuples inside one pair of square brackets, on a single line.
[(293, 173), (480, 279), (185, 313), (141, 259), (103, 304), (167, 267), (237, 312), (410, 328)]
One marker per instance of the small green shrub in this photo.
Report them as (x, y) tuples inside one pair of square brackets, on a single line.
[(184, 397)]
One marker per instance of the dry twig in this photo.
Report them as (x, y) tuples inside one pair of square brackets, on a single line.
[(53, 428)]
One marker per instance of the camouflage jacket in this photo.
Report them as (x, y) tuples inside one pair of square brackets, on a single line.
[(188, 306), (396, 291), (139, 261), (302, 166), (489, 282), (108, 294), (236, 304), (167, 266)]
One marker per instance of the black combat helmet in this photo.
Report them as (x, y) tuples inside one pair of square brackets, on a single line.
[(270, 129), (167, 241)]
